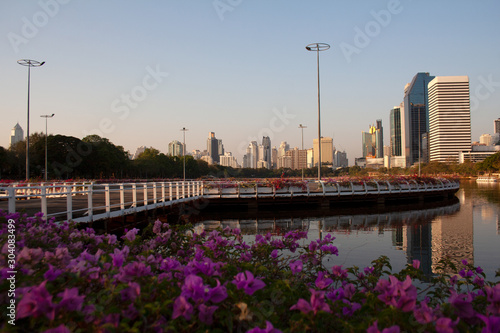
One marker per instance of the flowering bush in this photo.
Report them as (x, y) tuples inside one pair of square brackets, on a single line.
[(169, 279)]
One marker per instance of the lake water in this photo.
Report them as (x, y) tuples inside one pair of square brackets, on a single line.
[(467, 227)]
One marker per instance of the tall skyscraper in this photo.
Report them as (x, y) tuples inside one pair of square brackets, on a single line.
[(16, 135), (449, 117), (266, 151), (283, 148), (496, 124), (379, 139), (251, 158), (416, 118), (326, 150), (176, 148), (372, 141), (396, 133), (213, 147)]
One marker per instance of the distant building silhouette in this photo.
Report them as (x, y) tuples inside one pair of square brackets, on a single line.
[(176, 148), (139, 151), (214, 147), (16, 134)]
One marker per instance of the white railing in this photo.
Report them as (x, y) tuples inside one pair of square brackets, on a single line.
[(87, 201), (102, 200), (243, 189)]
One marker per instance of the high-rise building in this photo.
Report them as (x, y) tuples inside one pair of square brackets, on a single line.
[(229, 160), (16, 134), (266, 151), (372, 141), (294, 159), (485, 139), (176, 148), (326, 150), (341, 160), (274, 157), (496, 125), (213, 146), (416, 117), (251, 158), (283, 148), (396, 142), (449, 117)]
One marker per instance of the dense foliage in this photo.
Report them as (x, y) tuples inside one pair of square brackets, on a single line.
[(172, 279)]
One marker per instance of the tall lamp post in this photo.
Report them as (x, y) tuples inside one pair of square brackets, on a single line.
[(318, 47), (184, 129), (302, 129), (46, 116), (29, 63)]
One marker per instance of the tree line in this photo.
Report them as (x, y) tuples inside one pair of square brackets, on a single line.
[(94, 157)]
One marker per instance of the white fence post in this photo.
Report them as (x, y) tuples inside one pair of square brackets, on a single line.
[(69, 203), (12, 199), (90, 205), (122, 197), (107, 200), (155, 196), (170, 191), (145, 187), (134, 196), (44, 202)]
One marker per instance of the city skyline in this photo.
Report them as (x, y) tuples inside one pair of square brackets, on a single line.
[(151, 69)]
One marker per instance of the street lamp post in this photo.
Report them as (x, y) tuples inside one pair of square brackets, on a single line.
[(318, 47), (184, 129), (29, 63), (302, 129), (46, 116)]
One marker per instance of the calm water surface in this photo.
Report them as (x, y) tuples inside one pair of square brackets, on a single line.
[(467, 227)]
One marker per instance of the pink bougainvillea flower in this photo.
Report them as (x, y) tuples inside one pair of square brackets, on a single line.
[(374, 329), (269, 329), (182, 308), (330, 249), (247, 282), (323, 282), (316, 304), (446, 325), (119, 256), (52, 273), (339, 272), (206, 313), (130, 235), (71, 301), (416, 264), (59, 329), (492, 323), (423, 314), (296, 266), (130, 293), (35, 302)]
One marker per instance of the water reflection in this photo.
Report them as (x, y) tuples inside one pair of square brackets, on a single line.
[(467, 227), (410, 231)]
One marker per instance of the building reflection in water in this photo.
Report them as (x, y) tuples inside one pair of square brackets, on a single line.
[(427, 235)]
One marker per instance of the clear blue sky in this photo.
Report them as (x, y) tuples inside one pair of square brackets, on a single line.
[(231, 67)]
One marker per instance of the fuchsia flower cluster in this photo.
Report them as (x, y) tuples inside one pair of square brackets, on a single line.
[(169, 279)]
